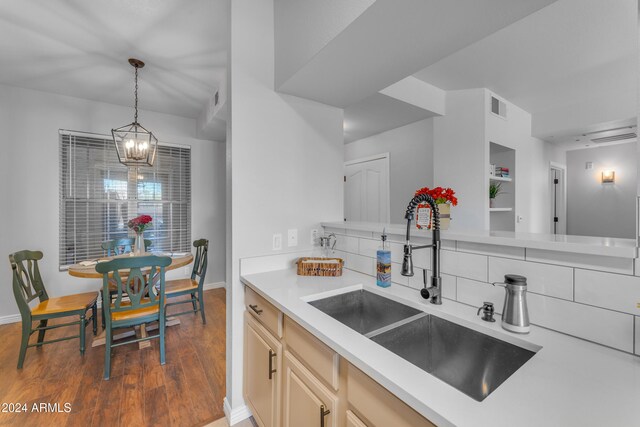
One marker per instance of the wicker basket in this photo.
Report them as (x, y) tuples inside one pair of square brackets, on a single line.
[(328, 267)]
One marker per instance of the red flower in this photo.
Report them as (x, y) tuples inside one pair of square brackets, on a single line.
[(440, 195)]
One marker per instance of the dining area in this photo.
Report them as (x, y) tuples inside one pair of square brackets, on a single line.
[(106, 355)]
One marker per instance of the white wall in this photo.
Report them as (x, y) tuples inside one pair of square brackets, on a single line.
[(30, 146), (410, 151), (461, 158), (597, 209), (285, 159)]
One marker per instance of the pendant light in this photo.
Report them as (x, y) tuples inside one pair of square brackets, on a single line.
[(135, 145)]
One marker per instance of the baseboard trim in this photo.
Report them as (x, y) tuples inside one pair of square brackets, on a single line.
[(236, 415), (12, 318), (215, 285)]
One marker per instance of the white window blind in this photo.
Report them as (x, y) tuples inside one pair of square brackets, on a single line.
[(98, 195)]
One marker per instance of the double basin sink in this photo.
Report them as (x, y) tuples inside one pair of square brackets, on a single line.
[(472, 362)]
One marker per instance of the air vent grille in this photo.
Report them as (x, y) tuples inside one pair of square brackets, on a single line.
[(613, 138)]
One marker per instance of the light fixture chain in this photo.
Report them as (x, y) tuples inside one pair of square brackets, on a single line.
[(136, 97)]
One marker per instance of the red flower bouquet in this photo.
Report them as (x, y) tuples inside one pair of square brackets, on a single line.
[(445, 198), (140, 223), (440, 195)]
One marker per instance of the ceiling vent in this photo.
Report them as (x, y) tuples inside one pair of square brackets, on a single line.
[(614, 138), (498, 107)]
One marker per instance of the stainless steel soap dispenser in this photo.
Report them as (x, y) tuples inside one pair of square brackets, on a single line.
[(515, 316)]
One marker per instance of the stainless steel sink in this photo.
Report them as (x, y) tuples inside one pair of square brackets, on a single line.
[(364, 311), (472, 362)]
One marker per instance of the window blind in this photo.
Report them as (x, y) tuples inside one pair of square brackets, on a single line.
[(98, 195)]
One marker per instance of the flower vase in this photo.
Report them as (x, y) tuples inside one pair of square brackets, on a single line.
[(445, 215), (492, 202), (138, 245)]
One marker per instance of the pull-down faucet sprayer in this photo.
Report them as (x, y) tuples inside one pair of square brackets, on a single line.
[(433, 292)]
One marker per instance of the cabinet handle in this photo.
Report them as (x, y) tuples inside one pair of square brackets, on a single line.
[(323, 413), (271, 356), (255, 308)]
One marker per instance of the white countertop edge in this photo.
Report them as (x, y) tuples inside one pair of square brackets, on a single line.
[(615, 247), (557, 358)]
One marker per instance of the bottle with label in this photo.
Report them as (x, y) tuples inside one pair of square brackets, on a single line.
[(383, 263)]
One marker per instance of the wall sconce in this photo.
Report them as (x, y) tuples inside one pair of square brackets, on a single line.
[(608, 176)]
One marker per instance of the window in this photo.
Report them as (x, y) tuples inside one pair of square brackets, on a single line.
[(98, 195)]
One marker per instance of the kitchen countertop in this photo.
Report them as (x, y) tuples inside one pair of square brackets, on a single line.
[(569, 382), (607, 246)]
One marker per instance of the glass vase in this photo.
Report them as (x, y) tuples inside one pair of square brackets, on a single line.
[(138, 244)]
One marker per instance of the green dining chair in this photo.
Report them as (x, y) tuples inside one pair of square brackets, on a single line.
[(122, 246), (119, 247), (28, 285), (193, 285), (144, 302)]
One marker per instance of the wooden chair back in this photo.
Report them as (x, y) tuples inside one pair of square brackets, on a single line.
[(200, 261), (122, 246), (27, 282), (140, 276)]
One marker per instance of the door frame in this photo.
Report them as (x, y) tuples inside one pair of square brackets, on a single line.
[(563, 204), (381, 156)]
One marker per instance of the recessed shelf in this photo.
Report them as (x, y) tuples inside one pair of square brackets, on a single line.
[(499, 178), (500, 209)]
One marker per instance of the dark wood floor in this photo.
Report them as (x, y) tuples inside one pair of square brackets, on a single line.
[(187, 391)]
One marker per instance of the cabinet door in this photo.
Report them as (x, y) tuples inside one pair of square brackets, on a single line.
[(354, 421), (307, 402), (261, 373)]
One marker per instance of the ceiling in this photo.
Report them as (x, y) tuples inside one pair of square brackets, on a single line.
[(80, 48), (379, 113), (568, 54)]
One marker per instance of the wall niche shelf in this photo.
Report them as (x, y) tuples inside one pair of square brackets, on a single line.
[(499, 178), (500, 209)]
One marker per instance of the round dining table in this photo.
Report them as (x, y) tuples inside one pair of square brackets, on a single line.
[(87, 270)]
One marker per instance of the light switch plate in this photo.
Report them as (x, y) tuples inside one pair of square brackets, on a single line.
[(314, 236), (277, 242), (292, 237)]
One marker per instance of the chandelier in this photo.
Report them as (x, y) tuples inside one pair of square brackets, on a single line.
[(135, 145)]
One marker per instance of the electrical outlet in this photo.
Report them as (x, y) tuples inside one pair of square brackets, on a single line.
[(277, 242), (314, 236), (292, 237), (519, 218)]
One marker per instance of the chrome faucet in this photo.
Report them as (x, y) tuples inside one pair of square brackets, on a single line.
[(433, 292)]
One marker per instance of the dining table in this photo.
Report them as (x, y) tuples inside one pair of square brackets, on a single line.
[(87, 270)]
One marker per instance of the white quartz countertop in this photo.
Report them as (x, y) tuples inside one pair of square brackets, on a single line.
[(607, 246), (569, 382)]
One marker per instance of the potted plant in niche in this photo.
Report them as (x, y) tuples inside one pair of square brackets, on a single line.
[(494, 190), (444, 198)]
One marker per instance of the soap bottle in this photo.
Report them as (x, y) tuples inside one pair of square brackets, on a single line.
[(383, 264)]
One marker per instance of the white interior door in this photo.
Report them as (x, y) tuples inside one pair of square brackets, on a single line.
[(366, 189)]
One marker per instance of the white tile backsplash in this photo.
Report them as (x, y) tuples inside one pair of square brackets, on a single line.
[(591, 323), (448, 283), (590, 262), (396, 277), (470, 266), (477, 293), (493, 250), (347, 243), (613, 291), (546, 279), (360, 263), (604, 288), (368, 247)]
